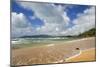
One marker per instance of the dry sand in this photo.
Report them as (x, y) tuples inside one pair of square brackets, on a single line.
[(86, 55), (54, 53)]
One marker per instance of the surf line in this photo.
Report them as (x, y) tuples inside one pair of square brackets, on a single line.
[(63, 60), (78, 40), (78, 54), (50, 45), (74, 55)]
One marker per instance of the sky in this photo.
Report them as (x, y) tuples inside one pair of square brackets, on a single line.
[(34, 18)]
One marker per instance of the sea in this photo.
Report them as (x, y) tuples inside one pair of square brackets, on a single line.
[(28, 42)]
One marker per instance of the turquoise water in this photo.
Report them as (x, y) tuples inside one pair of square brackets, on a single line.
[(28, 42)]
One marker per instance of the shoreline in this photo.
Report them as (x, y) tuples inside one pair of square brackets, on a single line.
[(54, 44), (71, 41)]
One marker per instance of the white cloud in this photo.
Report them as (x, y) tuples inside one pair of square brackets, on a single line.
[(83, 22), (20, 25), (19, 20), (54, 17)]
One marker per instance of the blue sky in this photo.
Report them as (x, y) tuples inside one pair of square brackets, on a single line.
[(19, 9), (72, 12), (38, 16)]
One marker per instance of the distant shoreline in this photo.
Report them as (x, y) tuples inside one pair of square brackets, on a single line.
[(70, 41)]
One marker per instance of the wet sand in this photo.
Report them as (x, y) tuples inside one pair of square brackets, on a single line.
[(53, 53)]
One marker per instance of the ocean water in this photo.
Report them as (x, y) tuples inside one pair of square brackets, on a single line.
[(28, 42)]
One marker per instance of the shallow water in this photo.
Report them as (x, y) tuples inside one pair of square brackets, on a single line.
[(28, 42)]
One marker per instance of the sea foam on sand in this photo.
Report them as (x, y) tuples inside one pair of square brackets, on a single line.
[(50, 45)]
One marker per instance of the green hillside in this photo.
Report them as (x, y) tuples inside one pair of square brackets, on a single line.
[(90, 33)]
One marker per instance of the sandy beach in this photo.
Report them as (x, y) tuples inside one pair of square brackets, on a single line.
[(85, 55), (56, 53)]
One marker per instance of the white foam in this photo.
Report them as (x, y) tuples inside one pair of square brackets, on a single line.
[(79, 40), (50, 45)]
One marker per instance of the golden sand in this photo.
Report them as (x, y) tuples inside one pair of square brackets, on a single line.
[(86, 55)]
